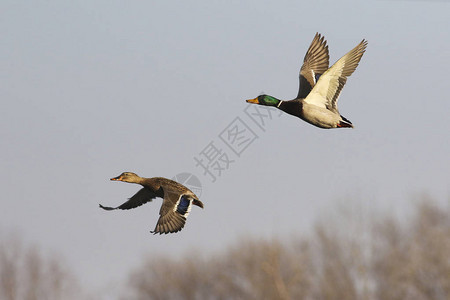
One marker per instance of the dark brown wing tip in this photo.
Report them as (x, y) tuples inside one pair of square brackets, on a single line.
[(106, 207), (318, 35), (154, 232), (363, 45), (321, 40), (170, 227)]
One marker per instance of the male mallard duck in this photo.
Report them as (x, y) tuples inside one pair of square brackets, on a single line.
[(177, 200), (316, 102)]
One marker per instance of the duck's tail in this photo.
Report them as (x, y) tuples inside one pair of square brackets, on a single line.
[(345, 123)]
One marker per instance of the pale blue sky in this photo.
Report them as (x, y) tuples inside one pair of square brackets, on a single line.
[(92, 89)]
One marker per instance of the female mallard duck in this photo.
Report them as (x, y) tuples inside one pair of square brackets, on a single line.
[(177, 200), (316, 102)]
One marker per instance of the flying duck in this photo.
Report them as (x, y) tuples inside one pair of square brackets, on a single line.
[(176, 205), (320, 86)]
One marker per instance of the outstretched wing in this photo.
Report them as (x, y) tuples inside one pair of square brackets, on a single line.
[(326, 92), (173, 213), (315, 64), (143, 196)]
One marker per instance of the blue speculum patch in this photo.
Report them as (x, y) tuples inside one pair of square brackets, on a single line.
[(183, 206), (317, 76)]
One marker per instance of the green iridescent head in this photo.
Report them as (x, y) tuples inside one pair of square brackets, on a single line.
[(265, 100)]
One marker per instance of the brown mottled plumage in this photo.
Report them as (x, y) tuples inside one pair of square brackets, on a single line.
[(177, 200)]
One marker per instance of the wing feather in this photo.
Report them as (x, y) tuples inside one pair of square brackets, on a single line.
[(143, 196), (173, 213), (315, 64), (326, 92)]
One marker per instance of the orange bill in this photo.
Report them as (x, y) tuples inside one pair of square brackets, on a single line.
[(253, 100)]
